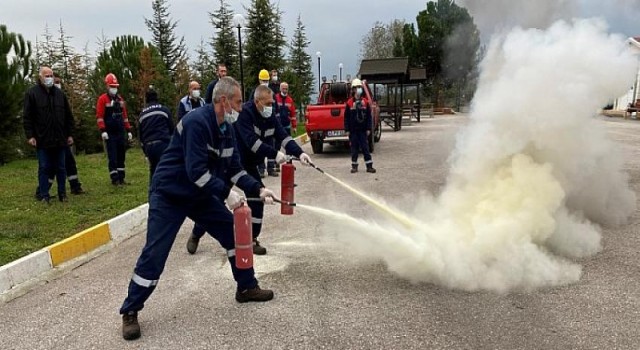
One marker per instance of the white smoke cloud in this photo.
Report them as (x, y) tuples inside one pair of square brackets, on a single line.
[(532, 175)]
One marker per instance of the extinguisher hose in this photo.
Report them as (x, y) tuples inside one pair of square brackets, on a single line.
[(310, 164)]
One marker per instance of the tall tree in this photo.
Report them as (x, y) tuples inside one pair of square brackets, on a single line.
[(447, 45), (65, 53), (15, 69), (299, 72), (379, 42), (46, 49), (165, 40), (224, 43), (263, 47), (203, 67)]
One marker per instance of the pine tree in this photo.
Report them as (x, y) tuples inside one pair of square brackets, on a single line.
[(164, 38), (203, 67), (299, 74), (263, 48), (46, 50), (224, 44), (65, 53), (15, 69)]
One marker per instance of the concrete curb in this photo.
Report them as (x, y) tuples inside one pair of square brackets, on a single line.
[(20, 276)]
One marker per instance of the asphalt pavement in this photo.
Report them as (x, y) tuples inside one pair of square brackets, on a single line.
[(325, 299)]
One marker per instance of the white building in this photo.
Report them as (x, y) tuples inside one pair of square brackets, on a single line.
[(622, 102)]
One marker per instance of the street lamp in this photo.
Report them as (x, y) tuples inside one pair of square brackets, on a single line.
[(340, 65), (238, 21), (318, 53)]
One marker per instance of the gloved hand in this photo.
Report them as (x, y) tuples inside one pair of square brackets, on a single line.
[(234, 200), (105, 136), (281, 158), (267, 196), (305, 159), (130, 136)]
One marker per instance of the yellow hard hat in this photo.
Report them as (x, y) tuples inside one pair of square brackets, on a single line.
[(356, 82), (264, 75)]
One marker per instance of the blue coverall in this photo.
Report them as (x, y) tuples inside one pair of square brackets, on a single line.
[(156, 126), (194, 176)]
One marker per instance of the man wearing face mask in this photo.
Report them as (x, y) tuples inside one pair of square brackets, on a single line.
[(69, 161), (111, 116), (274, 83), (357, 125), (156, 127), (256, 129), (287, 108), (195, 175), (191, 101), (48, 125)]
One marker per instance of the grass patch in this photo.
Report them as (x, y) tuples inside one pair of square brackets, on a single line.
[(27, 225)]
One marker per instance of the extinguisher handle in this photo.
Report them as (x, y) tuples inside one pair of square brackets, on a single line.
[(291, 204)]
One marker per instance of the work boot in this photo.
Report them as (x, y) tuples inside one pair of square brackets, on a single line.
[(354, 168), (130, 326), (272, 172), (258, 249), (371, 169), (45, 200), (63, 198), (37, 196), (254, 294), (262, 174), (277, 169), (77, 190), (192, 244)]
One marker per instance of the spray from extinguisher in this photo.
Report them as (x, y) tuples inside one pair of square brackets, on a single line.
[(243, 234), (287, 186)]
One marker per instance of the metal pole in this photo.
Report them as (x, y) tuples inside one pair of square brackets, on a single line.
[(318, 74), (240, 55)]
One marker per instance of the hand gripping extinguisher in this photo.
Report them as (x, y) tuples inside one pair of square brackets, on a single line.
[(286, 186), (243, 236)]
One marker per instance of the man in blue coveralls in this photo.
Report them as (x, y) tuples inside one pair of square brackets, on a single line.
[(194, 175)]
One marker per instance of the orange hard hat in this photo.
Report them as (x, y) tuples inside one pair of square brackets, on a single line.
[(111, 80)]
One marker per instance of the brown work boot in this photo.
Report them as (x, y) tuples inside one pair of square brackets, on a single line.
[(130, 326), (254, 294), (192, 244), (354, 168), (371, 169), (258, 249)]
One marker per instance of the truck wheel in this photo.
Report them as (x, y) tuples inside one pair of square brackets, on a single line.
[(377, 133), (316, 146)]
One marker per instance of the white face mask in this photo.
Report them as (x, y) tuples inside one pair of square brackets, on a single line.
[(359, 91), (232, 116), (48, 81), (59, 86), (113, 91), (284, 94), (266, 112), (264, 83), (195, 93), (274, 78)]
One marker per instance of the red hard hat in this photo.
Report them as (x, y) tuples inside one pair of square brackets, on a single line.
[(111, 80)]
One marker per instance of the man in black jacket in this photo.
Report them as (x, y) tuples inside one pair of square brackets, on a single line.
[(48, 124)]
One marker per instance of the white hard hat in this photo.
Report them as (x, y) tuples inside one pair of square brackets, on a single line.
[(356, 82)]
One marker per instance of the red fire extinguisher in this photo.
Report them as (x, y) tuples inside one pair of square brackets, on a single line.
[(287, 185), (243, 236)]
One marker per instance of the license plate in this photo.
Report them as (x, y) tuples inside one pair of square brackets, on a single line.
[(333, 133)]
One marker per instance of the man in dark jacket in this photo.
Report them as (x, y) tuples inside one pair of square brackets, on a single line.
[(156, 127), (48, 125), (221, 72), (194, 177), (69, 161)]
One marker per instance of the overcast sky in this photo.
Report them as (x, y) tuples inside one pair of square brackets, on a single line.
[(334, 27)]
